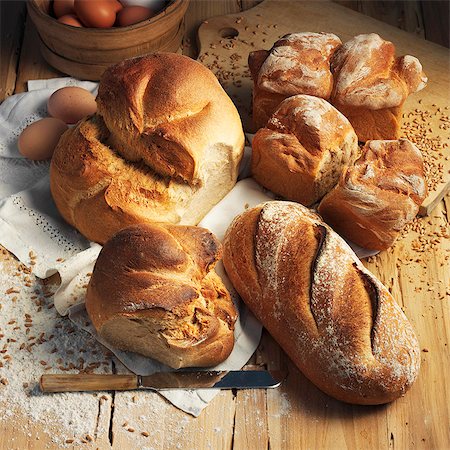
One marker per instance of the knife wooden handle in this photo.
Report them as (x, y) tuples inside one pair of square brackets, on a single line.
[(87, 382)]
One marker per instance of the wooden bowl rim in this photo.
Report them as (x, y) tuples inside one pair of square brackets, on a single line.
[(170, 10)]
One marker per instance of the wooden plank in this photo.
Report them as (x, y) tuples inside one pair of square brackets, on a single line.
[(12, 16), (145, 419), (436, 15), (406, 15), (250, 420)]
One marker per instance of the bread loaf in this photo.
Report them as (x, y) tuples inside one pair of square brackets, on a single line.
[(371, 84), (298, 63), (154, 291), (164, 146), (303, 149), (335, 320), (377, 195)]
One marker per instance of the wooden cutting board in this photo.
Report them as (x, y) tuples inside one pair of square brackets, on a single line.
[(225, 42)]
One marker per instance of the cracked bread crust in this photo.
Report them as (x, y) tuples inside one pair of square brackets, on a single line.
[(303, 149), (154, 291), (298, 63), (371, 85), (158, 150), (378, 195), (166, 110)]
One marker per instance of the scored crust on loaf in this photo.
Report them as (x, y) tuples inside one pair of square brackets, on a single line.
[(298, 63), (99, 192), (335, 320), (154, 291), (371, 84), (169, 111), (377, 195), (302, 151)]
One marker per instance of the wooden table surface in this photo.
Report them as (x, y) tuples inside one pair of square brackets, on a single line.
[(297, 415)]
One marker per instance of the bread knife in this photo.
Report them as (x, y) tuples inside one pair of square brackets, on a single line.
[(233, 379)]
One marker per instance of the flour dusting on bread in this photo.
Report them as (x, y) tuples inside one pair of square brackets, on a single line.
[(367, 74), (334, 319), (298, 63)]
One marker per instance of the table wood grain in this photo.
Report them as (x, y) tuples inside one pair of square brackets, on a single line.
[(296, 416)]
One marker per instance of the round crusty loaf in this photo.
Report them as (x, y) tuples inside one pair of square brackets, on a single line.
[(165, 146), (302, 151), (336, 321), (154, 291), (378, 195)]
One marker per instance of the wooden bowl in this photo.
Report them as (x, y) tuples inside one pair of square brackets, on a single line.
[(86, 52)]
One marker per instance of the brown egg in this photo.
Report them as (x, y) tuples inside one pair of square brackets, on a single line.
[(130, 15), (70, 19), (70, 104), (116, 5), (96, 13), (38, 140), (63, 7)]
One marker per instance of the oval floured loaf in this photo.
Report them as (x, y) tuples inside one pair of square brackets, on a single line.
[(336, 321)]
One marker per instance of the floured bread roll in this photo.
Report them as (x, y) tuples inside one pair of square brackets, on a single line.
[(154, 291), (298, 63), (377, 195), (302, 151), (371, 84), (164, 146)]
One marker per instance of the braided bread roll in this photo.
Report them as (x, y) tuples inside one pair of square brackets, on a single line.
[(378, 195), (164, 146), (335, 320), (154, 291)]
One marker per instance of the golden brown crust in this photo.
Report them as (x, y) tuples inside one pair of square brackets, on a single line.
[(371, 84), (377, 195), (298, 63), (102, 176), (99, 192), (154, 291), (302, 151), (334, 319), (167, 109)]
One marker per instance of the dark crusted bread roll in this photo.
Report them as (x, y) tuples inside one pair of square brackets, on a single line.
[(154, 291), (335, 320)]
